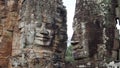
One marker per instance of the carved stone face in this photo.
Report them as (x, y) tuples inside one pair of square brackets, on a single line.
[(80, 43), (80, 50), (44, 34)]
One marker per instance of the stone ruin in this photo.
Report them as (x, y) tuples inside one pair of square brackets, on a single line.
[(33, 34), (95, 38)]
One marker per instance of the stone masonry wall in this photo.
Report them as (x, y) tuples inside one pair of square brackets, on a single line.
[(32, 33), (94, 32)]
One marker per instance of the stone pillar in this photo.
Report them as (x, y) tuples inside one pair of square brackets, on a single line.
[(87, 26), (8, 19), (116, 40), (116, 45), (41, 37), (118, 9), (119, 54), (94, 29)]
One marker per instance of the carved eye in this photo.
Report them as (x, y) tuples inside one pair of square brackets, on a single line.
[(49, 25), (58, 10)]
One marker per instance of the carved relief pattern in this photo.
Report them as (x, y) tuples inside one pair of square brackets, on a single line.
[(94, 28), (41, 35)]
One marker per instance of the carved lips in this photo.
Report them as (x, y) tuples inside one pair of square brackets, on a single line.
[(43, 38)]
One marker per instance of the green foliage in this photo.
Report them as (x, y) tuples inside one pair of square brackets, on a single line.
[(69, 56)]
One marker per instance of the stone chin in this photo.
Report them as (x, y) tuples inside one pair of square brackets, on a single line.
[(42, 42), (80, 54), (79, 51)]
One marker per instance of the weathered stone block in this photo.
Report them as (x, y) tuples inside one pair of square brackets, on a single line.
[(116, 33), (39, 33), (94, 30), (116, 45), (118, 12), (114, 55)]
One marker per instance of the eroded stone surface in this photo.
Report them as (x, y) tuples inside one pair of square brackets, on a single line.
[(8, 19), (94, 32), (40, 35), (32, 33)]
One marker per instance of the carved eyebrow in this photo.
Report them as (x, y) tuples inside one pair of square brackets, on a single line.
[(49, 25)]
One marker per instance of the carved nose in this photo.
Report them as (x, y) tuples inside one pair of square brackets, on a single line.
[(74, 42), (44, 31)]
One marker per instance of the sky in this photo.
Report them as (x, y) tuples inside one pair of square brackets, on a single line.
[(70, 6)]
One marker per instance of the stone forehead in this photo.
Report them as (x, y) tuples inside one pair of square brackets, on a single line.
[(46, 18)]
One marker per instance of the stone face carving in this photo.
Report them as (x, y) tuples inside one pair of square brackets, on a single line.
[(42, 35), (93, 37), (80, 51), (86, 26)]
